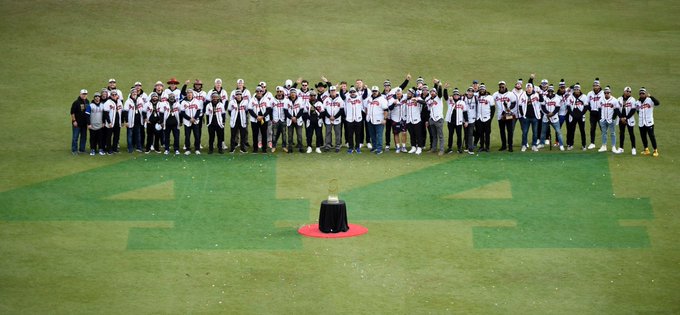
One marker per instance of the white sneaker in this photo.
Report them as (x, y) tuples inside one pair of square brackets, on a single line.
[(524, 148), (616, 151), (152, 149), (318, 150), (413, 150), (561, 148), (419, 151), (166, 152), (176, 152), (370, 146), (591, 146), (540, 146), (200, 146), (547, 142), (603, 148), (184, 147), (569, 148), (534, 148), (187, 152), (198, 152), (621, 150), (361, 145), (633, 151), (387, 148), (309, 150), (273, 150)]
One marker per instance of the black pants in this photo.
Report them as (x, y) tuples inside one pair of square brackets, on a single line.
[(215, 130), (484, 134), (571, 132), (469, 133), (314, 129), (97, 139), (107, 133), (294, 128), (174, 130), (364, 130), (507, 130), (353, 134), (238, 136), (414, 134), (622, 134), (142, 134), (259, 129), (153, 136), (194, 128), (457, 130), (594, 123), (345, 125), (644, 131), (388, 132)]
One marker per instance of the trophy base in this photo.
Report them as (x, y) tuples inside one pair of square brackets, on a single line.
[(333, 199)]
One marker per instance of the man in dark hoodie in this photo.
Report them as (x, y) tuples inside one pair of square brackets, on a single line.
[(79, 123)]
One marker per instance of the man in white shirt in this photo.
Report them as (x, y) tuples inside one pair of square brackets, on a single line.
[(609, 113), (376, 116)]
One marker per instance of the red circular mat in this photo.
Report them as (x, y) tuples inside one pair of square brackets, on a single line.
[(312, 230)]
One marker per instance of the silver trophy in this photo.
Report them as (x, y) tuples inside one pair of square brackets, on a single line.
[(333, 191)]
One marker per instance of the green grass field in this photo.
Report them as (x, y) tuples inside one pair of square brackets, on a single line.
[(521, 233)]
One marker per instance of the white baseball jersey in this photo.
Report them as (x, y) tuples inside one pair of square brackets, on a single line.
[(278, 109), (134, 108), (571, 103), (318, 107), (202, 96), (111, 108), (193, 109), (170, 110), (217, 110), (627, 106), (149, 108), (551, 104), (245, 94), (471, 107), (436, 107), (353, 108), (484, 107), (221, 92), (413, 109), (517, 94), (646, 112), (504, 101), (375, 109), (259, 107), (398, 112), (458, 108), (534, 101), (332, 108), (294, 108), (522, 102), (607, 108), (238, 109), (594, 100), (564, 103)]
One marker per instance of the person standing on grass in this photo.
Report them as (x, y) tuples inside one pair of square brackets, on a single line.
[(158, 89), (485, 113), (278, 105), (132, 120), (594, 100), (151, 119), (113, 110), (435, 107), (334, 108), (95, 123), (171, 121), (376, 115), (471, 104), (506, 108), (313, 122), (202, 97), (79, 123), (260, 112), (413, 121), (142, 99), (530, 113), (576, 115), (215, 117), (549, 110), (294, 110), (354, 111), (627, 119), (645, 108), (456, 117), (245, 95), (238, 112), (172, 89), (191, 116), (397, 113), (564, 93), (610, 109), (113, 87), (389, 95)]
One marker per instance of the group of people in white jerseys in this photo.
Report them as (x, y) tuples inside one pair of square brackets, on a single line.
[(359, 114)]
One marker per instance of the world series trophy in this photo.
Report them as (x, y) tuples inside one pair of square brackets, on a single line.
[(333, 191)]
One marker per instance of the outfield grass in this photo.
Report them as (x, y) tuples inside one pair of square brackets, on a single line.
[(75, 238)]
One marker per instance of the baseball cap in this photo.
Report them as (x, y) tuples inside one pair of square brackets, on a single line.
[(577, 86), (158, 83), (643, 90), (475, 82), (375, 89), (544, 82), (627, 89), (83, 91), (113, 92), (279, 89), (240, 81), (387, 83), (112, 80), (198, 82), (529, 85), (97, 94), (397, 90), (288, 83), (332, 88), (138, 83), (420, 80), (259, 89), (607, 89), (470, 89), (263, 84), (501, 82), (352, 89), (238, 92), (218, 81)]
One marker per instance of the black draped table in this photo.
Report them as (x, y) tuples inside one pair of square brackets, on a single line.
[(333, 217)]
